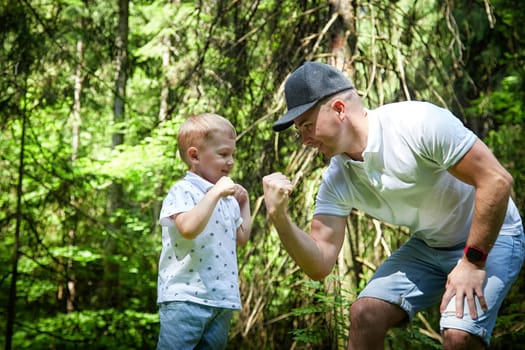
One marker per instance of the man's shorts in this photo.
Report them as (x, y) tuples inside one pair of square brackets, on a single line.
[(415, 275)]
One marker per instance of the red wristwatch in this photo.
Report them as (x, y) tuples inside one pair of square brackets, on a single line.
[(475, 254)]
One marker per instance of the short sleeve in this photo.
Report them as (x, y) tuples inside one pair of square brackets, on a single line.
[(181, 198), (445, 140), (332, 197)]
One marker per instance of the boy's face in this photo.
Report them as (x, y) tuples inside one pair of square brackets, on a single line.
[(214, 159)]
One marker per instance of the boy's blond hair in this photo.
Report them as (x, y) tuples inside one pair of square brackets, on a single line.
[(197, 130)]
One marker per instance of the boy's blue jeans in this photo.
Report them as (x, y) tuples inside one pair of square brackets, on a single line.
[(186, 325)]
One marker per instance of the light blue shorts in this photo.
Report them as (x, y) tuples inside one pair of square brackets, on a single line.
[(415, 275), (186, 325)]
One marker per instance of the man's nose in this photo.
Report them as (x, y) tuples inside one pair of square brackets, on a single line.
[(306, 138)]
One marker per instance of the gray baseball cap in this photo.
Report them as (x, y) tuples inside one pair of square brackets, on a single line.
[(306, 86)]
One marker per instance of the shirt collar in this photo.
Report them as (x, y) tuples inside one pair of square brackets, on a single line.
[(198, 181), (374, 134), (373, 144)]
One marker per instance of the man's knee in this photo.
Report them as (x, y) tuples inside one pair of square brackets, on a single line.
[(375, 312), (362, 312), (456, 339)]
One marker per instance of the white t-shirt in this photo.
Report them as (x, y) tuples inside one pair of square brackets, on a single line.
[(202, 270), (404, 180)]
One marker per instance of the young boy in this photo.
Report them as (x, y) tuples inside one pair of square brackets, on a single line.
[(203, 217)]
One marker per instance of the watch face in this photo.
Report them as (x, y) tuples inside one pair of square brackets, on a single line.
[(474, 254)]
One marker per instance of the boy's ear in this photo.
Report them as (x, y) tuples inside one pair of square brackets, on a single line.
[(193, 153)]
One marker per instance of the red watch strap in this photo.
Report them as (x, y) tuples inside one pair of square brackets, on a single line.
[(484, 253)]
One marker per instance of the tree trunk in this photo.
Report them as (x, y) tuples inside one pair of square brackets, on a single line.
[(75, 140), (11, 303), (121, 63), (164, 92), (343, 40), (116, 190)]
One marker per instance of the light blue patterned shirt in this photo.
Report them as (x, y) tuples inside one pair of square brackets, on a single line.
[(203, 270)]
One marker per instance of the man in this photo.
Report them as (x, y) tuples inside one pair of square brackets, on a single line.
[(412, 164)]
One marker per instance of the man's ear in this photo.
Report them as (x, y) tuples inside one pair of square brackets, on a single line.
[(193, 153), (339, 106)]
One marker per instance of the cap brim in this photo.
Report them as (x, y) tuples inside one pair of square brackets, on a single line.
[(287, 119)]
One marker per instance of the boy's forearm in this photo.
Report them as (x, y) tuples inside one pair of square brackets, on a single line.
[(244, 231), (191, 223)]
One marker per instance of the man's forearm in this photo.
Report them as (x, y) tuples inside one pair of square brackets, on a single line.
[(300, 246), (489, 213)]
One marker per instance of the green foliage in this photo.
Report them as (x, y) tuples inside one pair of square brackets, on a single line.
[(410, 338), (230, 58), (90, 330), (326, 314)]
